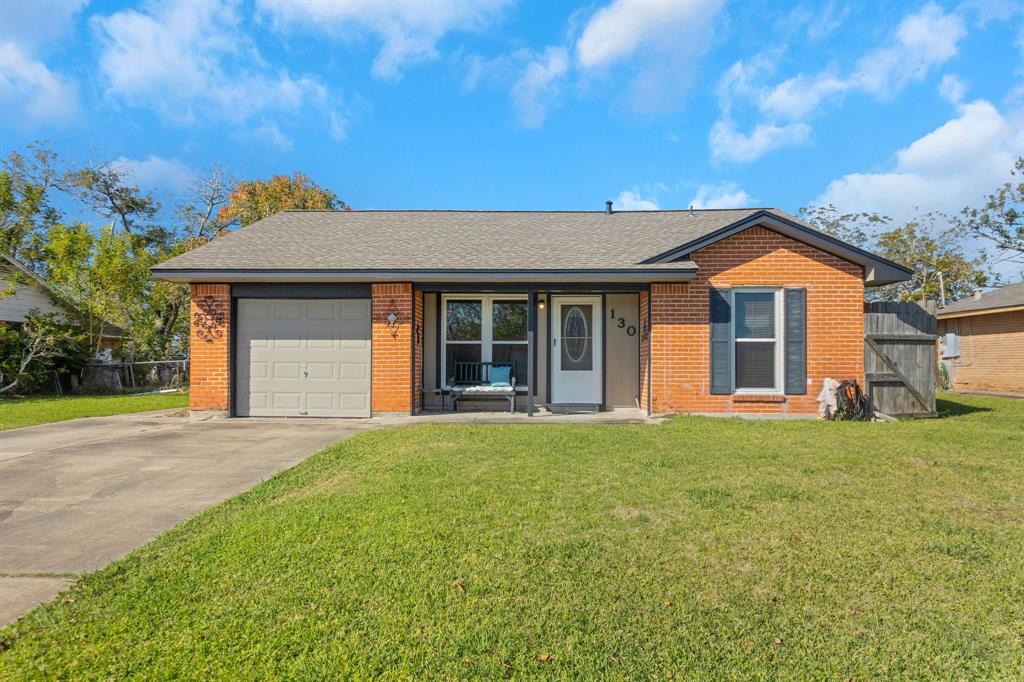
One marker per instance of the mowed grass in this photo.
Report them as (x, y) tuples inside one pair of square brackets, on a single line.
[(18, 412), (702, 548)]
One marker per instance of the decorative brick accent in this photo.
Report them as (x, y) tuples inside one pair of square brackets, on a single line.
[(991, 352), (680, 334), (391, 378), (210, 339)]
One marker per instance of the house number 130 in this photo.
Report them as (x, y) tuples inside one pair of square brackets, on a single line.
[(621, 324)]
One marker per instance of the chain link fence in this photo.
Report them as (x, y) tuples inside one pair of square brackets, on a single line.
[(150, 375)]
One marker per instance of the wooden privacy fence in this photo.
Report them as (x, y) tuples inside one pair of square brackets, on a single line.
[(899, 357)]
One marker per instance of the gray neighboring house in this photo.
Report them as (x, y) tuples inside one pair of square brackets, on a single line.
[(31, 293)]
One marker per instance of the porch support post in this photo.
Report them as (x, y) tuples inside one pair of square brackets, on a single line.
[(531, 347)]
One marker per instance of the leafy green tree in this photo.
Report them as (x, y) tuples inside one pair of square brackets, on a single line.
[(106, 273), (254, 200), (852, 228), (43, 343), (1001, 219), (25, 210), (105, 189), (942, 271)]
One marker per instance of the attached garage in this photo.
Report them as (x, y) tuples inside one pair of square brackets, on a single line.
[(302, 358)]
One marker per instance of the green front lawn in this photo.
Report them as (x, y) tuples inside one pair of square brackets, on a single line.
[(702, 548), (18, 412)]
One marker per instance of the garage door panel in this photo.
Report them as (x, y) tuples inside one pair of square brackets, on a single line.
[(355, 402), (253, 309), (285, 370), (303, 357), (322, 371), (286, 401), (258, 370), (355, 310), (288, 310), (353, 370), (321, 402), (321, 310)]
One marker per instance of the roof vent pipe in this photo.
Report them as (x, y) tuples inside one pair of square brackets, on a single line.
[(691, 209), (977, 294), (608, 207)]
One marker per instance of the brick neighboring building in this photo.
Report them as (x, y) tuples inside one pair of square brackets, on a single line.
[(982, 341), (322, 313)]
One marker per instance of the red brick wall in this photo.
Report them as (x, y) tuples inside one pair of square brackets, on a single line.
[(991, 352), (210, 338), (680, 334), (391, 377)]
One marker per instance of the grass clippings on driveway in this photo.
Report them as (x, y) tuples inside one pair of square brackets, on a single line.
[(18, 412), (702, 548)]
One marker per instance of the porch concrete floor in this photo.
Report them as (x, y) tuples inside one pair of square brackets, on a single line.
[(542, 416)]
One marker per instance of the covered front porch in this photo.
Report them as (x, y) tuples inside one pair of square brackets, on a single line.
[(551, 350)]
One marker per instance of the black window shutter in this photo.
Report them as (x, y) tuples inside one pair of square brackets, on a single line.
[(796, 341), (721, 342)]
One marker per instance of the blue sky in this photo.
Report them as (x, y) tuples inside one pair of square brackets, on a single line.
[(533, 105)]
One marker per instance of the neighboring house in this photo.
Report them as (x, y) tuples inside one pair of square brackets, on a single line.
[(982, 341), (30, 293), (324, 313)]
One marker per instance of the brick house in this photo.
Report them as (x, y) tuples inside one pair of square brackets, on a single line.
[(322, 313), (982, 341)]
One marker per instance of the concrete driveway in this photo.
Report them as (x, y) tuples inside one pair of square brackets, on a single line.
[(76, 495)]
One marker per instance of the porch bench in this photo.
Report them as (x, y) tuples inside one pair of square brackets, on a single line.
[(473, 380)]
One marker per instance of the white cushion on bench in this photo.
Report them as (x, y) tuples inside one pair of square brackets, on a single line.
[(493, 390)]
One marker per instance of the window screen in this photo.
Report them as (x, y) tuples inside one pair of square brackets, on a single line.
[(754, 333)]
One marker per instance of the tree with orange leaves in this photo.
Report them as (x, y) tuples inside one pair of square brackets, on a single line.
[(252, 200)]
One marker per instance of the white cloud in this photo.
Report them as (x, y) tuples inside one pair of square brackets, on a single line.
[(953, 166), (409, 31), (630, 200), (729, 144), (32, 94), (952, 89), (270, 133), (664, 40), (155, 172), (724, 195), (923, 41), (194, 62), (539, 82), (339, 126), (38, 24), (798, 97)]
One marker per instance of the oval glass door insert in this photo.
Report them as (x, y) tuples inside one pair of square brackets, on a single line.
[(577, 349)]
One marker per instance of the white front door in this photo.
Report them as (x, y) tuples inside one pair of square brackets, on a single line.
[(576, 352)]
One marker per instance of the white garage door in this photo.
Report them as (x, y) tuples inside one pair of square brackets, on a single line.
[(299, 358)]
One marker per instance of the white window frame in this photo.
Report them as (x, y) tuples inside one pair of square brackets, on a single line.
[(486, 327), (779, 339)]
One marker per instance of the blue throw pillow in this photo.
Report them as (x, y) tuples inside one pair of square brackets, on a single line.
[(501, 376)]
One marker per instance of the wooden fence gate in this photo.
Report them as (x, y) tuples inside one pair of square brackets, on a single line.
[(899, 357)]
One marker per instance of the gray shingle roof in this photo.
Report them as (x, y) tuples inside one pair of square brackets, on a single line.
[(1010, 296), (456, 240)]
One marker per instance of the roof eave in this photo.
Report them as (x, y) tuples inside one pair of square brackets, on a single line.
[(878, 271), (971, 312), (227, 275)]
